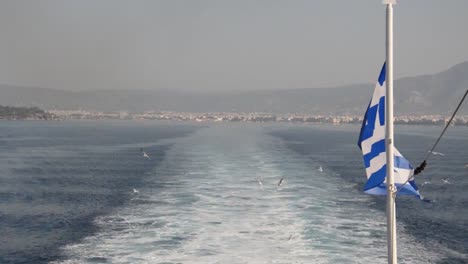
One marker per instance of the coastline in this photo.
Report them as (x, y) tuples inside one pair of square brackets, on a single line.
[(216, 117)]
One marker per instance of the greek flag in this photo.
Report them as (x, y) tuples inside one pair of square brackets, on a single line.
[(372, 143)]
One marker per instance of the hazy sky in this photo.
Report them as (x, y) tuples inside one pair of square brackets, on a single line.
[(222, 45)]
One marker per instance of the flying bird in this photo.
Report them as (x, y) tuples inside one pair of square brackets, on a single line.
[(280, 182), (144, 154), (436, 153), (259, 180), (426, 182), (446, 180)]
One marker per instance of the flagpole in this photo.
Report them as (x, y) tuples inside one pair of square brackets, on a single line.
[(391, 209)]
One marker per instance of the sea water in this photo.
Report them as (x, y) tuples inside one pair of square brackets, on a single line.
[(82, 192)]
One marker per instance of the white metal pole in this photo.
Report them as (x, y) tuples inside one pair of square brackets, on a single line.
[(391, 209)]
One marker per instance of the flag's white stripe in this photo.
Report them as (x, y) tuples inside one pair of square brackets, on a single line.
[(379, 91), (379, 134), (401, 175), (376, 164)]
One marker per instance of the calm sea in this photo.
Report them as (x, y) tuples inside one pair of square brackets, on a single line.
[(82, 192)]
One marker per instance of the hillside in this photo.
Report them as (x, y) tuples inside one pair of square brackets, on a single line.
[(20, 113), (430, 94)]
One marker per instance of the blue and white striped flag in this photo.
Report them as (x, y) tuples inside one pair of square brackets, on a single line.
[(372, 143)]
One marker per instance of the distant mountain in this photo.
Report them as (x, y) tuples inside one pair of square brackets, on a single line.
[(433, 94)]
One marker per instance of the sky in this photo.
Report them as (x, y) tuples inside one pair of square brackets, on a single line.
[(221, 45)]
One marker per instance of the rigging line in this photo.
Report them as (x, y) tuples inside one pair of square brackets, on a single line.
[(446, 126), (421, 167)]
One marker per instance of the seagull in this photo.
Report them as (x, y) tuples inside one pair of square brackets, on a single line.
[(436, 153), (144, 153), (280, 182), (259, 180), (426, 182), (446, 181), (135, 190), (320, 169)]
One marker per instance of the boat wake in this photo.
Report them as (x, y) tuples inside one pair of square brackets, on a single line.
[(204, 205)]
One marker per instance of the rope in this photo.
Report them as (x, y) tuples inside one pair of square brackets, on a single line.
[(423, 164), (446, 126)]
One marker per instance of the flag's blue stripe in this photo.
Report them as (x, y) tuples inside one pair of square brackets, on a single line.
[(368, 128), (382, 74), (368, 124), (407, 189), (376, 178), (382, 110), (402, 163), (361, 133), (379, 190), (377, 148), (413, 183)]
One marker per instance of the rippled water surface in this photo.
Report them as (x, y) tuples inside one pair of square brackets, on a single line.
[(81, 192)]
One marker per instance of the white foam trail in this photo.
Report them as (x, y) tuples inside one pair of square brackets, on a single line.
[(209, 210)]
